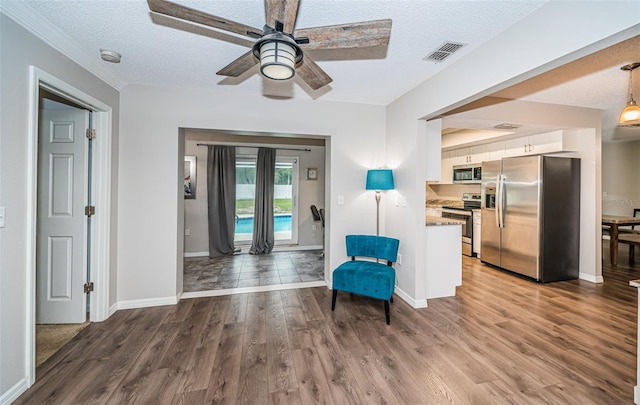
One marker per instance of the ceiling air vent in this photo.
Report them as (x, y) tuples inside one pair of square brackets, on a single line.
[(505, 126), (444, 51)]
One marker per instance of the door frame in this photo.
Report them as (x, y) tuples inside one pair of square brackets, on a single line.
[(101, 185)]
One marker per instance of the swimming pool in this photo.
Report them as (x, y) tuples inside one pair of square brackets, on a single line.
[(281, 223)]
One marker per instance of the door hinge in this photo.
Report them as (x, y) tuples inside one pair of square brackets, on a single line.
[(88, 287), (91, 134), (89, 210)]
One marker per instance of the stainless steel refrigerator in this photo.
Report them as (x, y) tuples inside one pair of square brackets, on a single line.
[(531, 216)]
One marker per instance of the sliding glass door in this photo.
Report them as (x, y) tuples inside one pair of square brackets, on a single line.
[(285, 205)]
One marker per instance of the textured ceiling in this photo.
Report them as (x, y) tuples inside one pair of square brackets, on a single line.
[(158, 50)]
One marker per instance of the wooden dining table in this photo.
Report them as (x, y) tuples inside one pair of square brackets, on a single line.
[(615, 221)]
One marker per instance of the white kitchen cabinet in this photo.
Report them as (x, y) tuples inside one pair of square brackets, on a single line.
[(535, 144), (446, 167), (495, 151), (443, 262), (477, 153), (551, 142), (463, 156)]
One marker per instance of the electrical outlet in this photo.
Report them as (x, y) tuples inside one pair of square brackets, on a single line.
[(399, 258), (313, 227), (187, 232)]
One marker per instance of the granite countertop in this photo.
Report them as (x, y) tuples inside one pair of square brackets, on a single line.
[(444, 203), (439, 221)]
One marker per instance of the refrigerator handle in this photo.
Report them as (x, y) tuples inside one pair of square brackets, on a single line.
[(498, 198), (502, 199)]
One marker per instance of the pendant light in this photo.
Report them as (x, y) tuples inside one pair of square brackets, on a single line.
[(630, 115)]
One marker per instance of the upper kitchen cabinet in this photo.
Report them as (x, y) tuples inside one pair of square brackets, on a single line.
[(446, 166), (551, 142)]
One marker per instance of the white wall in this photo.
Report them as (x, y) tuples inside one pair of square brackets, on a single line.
[(148, 238), (18, 50), (620, 174), (526, 49)]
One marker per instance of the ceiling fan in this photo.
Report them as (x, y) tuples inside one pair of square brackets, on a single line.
[(279, 46)]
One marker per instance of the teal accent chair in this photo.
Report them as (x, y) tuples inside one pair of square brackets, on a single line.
[(367, 277)]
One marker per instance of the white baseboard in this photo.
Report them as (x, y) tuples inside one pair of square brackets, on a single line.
[(409, 300), (14, 392), (150, 302), (276, 248), (196, 254), (591, 278), (112, 309), (285, 248), (231, 291)]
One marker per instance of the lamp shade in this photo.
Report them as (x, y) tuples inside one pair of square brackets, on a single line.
[(631, 114), (277, 60), (380, 179)]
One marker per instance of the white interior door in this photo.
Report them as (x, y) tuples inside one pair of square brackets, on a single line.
[(61, 237)]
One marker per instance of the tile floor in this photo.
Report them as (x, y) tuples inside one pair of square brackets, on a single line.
[(245, 270)]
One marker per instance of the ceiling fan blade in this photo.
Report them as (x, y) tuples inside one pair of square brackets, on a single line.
[(189, 14), (284, 11), (313, 74), (239, 66), (354, 35)]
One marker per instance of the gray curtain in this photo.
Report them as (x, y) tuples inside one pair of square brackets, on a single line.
[(221, 194), (263, 236)]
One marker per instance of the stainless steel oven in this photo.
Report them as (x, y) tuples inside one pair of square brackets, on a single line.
[(467, 227), (465, 213)]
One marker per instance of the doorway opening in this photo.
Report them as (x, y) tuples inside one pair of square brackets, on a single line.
[(62, 246), (296, 260), (60, 202)]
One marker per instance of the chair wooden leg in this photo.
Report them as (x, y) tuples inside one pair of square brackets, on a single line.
[(386, 312), (333, 299), (632, 254)]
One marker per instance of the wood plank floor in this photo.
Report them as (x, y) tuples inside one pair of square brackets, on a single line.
[(501, 340)]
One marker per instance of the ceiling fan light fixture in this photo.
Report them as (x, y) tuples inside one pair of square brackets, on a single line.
[(277, 60), (630, 115)]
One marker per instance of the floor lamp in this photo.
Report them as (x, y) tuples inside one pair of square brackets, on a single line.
[(378, 180)]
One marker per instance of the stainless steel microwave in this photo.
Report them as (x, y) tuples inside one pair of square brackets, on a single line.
[(471, 173)]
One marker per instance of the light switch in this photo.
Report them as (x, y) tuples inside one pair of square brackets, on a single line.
[(2, 211), (340, 200), (187, 232)]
